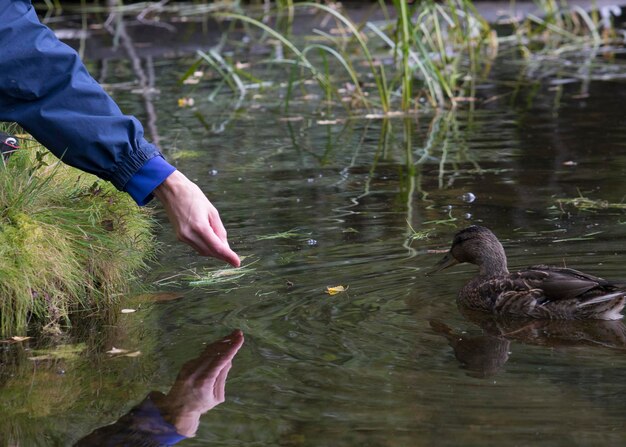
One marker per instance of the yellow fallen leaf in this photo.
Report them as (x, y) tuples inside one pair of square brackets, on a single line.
[(335, 290), (185, 102)]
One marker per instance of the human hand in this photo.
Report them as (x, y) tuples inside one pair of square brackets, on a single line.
[(200, 384), (195, 219)]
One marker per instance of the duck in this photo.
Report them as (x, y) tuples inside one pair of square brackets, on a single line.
[(539, 292)]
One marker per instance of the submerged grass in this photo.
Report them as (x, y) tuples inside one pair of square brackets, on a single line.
[(586, 204), (289, 234), (219, 277), (68, 241)]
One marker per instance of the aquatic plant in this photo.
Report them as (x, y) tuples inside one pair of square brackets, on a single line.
[(68, 242), (586, 204), (219, 277), (559, 27), (430, 52), (429, 44)]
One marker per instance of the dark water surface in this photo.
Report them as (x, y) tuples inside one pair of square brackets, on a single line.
[(375, 365)]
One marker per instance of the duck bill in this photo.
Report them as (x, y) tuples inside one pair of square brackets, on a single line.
[(447, 261)]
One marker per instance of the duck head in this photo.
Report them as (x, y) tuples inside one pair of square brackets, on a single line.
[(476, 245)]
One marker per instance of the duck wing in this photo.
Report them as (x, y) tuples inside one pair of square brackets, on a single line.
[(546, 292), (558, 283)]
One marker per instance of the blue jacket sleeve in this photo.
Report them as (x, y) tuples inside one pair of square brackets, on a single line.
[(45, 88), (144, 425)]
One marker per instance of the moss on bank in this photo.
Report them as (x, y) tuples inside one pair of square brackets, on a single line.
[(68, 242)]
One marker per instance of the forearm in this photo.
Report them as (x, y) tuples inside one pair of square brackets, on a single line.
[(47, 90)]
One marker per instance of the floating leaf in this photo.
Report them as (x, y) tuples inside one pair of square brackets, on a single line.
[(186, 102), (16, 339), (291, 119), (117, 351), (335, 290)]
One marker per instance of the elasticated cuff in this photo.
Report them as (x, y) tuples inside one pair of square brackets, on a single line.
[(147, 178)]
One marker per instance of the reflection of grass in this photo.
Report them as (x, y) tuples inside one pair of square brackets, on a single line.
[(46, 381)]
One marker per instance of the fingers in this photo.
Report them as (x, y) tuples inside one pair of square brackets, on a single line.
[(219, 248), (216, 359), (228, 346), (207, 243), (219, 393), (216, 224), (209, 238)]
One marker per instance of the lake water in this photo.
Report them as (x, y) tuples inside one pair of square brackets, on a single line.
[(391, 361)]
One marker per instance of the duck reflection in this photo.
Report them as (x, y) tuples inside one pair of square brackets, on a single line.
[(484, 355), (165, 419)]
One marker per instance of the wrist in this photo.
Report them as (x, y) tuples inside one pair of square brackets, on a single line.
[(184, 419), (169, 185), (175, 188)]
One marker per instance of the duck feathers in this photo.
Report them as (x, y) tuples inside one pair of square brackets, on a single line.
[(546, 292)]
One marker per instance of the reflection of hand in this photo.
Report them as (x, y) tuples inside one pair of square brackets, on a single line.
[(200, 384), (195, 220)]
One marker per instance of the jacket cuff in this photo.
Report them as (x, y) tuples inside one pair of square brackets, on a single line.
[(147, 178)]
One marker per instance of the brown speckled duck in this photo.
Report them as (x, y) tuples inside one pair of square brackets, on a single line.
[(536, 292)]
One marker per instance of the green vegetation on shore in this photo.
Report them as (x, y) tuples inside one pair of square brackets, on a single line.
[(69, 243)]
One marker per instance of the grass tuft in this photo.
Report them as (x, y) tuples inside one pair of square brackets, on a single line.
[(68, 241)]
